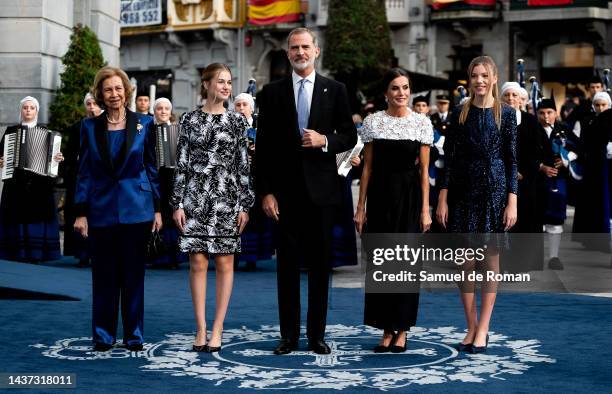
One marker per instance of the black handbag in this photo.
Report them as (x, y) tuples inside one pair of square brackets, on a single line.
[(156, 247)]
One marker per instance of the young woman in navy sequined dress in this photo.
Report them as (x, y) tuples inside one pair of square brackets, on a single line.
[(479, 193)]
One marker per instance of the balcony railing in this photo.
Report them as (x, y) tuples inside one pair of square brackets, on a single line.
[(520, 11), (397, 12), (523, 4)]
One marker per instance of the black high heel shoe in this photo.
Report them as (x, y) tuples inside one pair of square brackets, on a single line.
[(213, 349), (200, 348), (480, 349), (464, 347), (383, 348), (399, 349)]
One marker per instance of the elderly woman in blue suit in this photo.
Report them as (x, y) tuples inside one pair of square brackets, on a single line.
[(117, 206)]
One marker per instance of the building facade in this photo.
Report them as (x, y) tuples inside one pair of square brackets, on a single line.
[(562, 45), (35, 35)]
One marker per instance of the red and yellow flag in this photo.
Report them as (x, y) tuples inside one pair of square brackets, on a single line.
[(266, 12), (439, 4)]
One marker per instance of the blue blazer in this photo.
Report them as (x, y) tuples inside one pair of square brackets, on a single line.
[(120, 191)]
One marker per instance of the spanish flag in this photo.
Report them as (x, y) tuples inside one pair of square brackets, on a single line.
[(439, 4), (267, 12)]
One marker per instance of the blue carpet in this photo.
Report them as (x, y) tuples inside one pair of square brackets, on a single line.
[(539, 342)]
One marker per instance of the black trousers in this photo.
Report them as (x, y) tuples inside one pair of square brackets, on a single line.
[(118, 271), (305, 235)]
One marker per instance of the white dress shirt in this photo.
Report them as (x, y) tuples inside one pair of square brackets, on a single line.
[(309, 87), (548, 130)]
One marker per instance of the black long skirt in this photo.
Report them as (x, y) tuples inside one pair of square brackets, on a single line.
[(394, 202)]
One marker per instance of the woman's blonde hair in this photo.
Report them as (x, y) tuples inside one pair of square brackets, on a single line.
[(108, 72), (489, 64), (211, 72)]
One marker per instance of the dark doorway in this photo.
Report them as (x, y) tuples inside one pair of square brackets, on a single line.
[(461, 61), (162, 79)]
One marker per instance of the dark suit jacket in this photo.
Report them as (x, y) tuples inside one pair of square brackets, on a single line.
[(120, 191), (437, 123), (282, 164)]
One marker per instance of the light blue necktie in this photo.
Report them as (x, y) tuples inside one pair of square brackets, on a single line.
[(302, 107)]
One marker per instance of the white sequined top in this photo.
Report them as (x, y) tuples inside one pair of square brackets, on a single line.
[(382, 126)]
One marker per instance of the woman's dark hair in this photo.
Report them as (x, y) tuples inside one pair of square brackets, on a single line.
[(391, 75)]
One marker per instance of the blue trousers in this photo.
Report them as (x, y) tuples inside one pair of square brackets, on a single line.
[(118, 269)]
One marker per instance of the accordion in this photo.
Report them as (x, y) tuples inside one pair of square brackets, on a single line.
[(167, 140), (343, 160), (31, 149)]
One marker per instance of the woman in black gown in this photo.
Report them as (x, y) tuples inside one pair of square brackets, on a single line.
[(397, 194), (479, 193)]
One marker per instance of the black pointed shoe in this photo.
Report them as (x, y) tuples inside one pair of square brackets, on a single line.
[(318, 346), (464, 347), (383, 348), (555, 264), (135, 347), (398, 349), (102, 347), (480, 349), (211, 349), (285, 346)]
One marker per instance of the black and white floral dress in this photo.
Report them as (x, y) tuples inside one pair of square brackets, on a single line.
[(212, 181)]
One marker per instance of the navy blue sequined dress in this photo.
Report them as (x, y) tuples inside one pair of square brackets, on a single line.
[(481, 170)]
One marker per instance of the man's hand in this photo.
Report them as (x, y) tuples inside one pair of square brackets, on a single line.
[(270, 206), (312, 139), (549, 171)]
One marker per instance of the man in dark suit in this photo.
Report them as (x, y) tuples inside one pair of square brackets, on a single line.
[(441, 119), (585, 108), (304, 120)]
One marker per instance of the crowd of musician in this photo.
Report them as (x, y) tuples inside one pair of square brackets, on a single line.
[(562, 156), (141, 187)]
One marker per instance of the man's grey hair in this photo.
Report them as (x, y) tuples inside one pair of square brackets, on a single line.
[(302, 30)]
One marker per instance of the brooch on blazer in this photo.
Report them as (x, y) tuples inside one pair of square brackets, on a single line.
[(139, 127)]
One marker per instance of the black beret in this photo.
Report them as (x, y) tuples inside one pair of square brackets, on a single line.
[(420, 99), (547, 103)]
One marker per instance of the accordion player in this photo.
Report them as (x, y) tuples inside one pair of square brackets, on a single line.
[(32, 149), (166, 143)]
